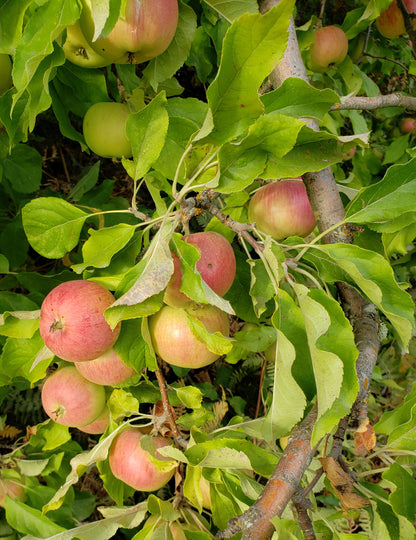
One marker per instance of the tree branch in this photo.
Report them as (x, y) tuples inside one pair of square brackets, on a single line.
[(377, 102)]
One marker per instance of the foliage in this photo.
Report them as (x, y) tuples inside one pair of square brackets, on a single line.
[(200, 130)]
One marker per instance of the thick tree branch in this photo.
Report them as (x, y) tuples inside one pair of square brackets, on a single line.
[(370, 103)]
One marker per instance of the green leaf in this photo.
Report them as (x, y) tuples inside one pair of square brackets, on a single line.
[(232, 9), (19, 324), (29, 520), (289, 402), (147, 131), (11, 24), (190, 396), (23, 168), (399, 424), (166, 64), (403, 498), (333, 353), (52, 225), (130, 346), (272, 134), (261, 286), (388, 199), (296, 97), (102, 245), (215, 342), (372, 273), (85, 183), (253, 45)]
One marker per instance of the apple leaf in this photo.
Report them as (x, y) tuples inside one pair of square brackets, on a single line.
[(371, 273), (52, 225), (261, 287), (386, 200), (166, 64), (130, 345), (288, 402), (253, 45), (102, 245), (232, 9), (30, 521), (20, 324), (296, 97), (403, 497), (240, 163), (146, 130), (12, 15), (215, 342), (333, 352)]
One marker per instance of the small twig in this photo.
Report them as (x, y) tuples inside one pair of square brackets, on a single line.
[(392, 60), (376, 102), (168, 411), (302, 504), (313, 482), (68, 178), (321, 13)]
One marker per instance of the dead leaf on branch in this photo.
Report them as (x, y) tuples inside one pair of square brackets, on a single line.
[(365, 438), (343, 485)]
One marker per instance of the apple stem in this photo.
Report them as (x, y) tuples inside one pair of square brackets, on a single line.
[(180, 441)]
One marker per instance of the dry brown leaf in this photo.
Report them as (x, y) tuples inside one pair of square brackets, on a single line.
[(365, 438), (343, 485), (9, 432)]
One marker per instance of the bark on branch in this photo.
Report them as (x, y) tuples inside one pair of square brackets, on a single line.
[(370, 103)]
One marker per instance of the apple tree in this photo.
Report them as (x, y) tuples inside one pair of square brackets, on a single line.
[(207, 250)]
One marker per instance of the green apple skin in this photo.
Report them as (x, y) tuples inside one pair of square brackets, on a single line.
[(5, 73), (104, 129), (329, 48), (390, 23), (174, 341), (78, 51), (143, 32)]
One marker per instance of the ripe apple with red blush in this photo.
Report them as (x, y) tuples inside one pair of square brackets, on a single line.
[(329, 48), (12, 485), (390, 22), (133, 464), (108, 369), (282, 209), (69, 399), (143, 30), (174, 341), (216, 265), (408, 125), (72, 323)]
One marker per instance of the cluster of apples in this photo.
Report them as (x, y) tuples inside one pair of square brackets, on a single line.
[(143, 30)]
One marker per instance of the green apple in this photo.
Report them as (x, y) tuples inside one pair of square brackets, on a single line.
[(78, 51), (104, 129), (144, 30)]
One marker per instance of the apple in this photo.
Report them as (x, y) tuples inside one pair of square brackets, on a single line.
[(11, 485), (99, 425), (78, 51), (143, 31), (216, 265), (407, 125), (108, 369), (133, 465), (390, 22), (72, 322), (329, 48), (5, 73), (104, 129), (174, 341), (349, 154), (282, 209), (69, 399)]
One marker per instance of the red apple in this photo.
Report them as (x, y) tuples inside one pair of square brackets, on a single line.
[(104, 129), (329, 48), (174, 341), (108, 369), (282, 209), (216, 265), (11, 485), (69, 399), (143, 31), (408, 125), (72, 322), (99, 425), (132, 464), (390, 23)]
